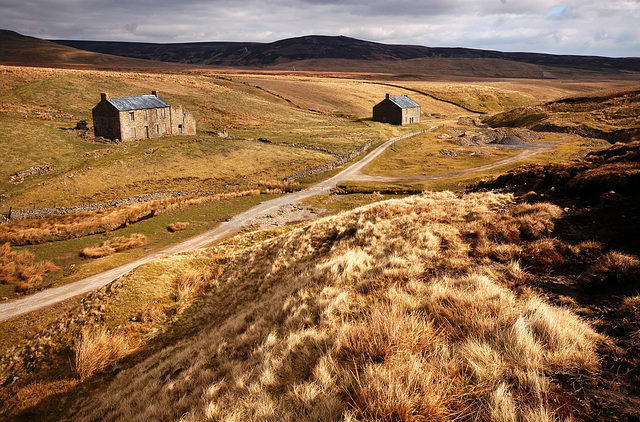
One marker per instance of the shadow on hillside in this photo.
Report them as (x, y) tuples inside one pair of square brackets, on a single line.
[(597, 274)]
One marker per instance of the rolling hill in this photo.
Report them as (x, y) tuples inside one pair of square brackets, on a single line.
[(476, 306), (309, 53), (336, 48), (17, 49)]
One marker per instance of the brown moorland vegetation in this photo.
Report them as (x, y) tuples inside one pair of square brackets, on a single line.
[(176, 227), (402, 310), (19, 268), (94, 351), (116, 244), (439, 306), (602, 205)]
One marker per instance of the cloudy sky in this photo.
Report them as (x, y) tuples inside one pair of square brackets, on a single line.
[(585, 27)]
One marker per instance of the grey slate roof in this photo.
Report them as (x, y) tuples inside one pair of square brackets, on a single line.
[(404, 102), (138, 103)]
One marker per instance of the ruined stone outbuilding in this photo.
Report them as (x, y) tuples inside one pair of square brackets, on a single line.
[(140, 117), (397, 111)]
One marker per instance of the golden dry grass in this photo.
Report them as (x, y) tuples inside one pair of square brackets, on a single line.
[(116, 244), (108, 325), (178, 226), (613, 267), (393, 311), (188, 286), (95, 351), (19, 268), (630, 302)]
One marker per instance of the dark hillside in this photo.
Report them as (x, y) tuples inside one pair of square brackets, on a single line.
[(601, 200), (20, 49), (237, 54)]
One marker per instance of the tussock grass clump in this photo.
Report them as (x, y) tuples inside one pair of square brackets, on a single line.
[(95, 351), (630, 302), (176, 227), (19, 269), (613, 268), (393, 311), (188, 285), (116, 244)]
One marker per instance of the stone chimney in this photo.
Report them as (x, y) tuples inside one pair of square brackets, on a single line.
[(387, 96), (104, 96), (154, 93)]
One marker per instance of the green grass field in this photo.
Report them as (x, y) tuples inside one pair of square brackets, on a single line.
[(39, 107), (89, 172), (426, 155), (66, 253)]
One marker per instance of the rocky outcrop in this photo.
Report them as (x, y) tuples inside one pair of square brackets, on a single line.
[(621, 135)]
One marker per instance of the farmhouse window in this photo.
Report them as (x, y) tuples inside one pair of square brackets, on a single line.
[(157, 130), (132, 116), (155, 113), (164, 126), (146, 131), (162, 112), (145, 114), (133, 132)]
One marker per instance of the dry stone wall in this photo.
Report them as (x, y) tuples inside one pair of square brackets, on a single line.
[(331, 165), (42, 212)]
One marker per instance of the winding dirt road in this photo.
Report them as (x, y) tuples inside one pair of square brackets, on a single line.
[(57, 294)]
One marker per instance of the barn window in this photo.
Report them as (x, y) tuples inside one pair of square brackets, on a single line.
[(132, 132), (157, 130), (132, 116)]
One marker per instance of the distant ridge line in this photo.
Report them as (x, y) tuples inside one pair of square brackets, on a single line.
[(254, 54)]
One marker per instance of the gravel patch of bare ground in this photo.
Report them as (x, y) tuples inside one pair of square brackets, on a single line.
[(285, 215)]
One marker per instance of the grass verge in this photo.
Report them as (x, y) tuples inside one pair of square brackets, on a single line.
[(66, 254)]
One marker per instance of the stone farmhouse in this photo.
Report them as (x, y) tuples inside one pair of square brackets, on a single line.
[(144, 116), (397, 110)]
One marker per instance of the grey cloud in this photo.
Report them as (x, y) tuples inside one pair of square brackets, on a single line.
[(513, 25)]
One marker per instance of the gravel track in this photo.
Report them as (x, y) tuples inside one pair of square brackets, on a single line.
[(57, 294)]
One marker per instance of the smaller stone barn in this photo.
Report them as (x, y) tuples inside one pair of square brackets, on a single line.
[(397, 111), (140, 117)]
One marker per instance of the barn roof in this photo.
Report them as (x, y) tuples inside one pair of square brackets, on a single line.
[(138, 103), (404, 102)]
